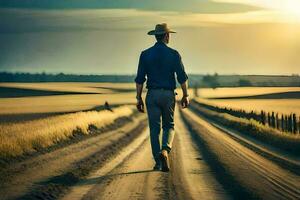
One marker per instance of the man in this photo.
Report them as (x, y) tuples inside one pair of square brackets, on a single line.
[(159, 64)]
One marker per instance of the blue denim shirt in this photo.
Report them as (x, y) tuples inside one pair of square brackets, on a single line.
[(159, 64)]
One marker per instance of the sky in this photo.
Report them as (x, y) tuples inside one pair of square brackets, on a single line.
[(106, 37)]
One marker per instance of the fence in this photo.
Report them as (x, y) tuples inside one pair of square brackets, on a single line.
[(286, 123)]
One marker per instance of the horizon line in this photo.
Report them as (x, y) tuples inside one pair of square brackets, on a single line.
[(125, 74)]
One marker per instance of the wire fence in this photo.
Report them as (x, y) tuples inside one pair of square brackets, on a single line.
[(285, 123)]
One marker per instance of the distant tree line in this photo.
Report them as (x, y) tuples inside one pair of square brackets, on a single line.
[(244, 83), (211, 80), (61, 77), (195, 80)]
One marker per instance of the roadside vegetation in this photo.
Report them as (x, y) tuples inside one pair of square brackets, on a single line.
[(283, 140), (26, 137), (283, 122)]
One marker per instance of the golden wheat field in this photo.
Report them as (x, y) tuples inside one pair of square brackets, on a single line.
[(25, 137), (33, 122), (97, 94), (29, 122), (50, 130), (283, 106), (269, 99), (242, 91), (61, 103)]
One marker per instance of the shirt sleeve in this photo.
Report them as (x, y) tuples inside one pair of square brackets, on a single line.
[(179, 69), (141, 72)]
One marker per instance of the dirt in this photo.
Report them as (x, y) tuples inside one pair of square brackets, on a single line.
[(244, 172), (133, 177), (206, 163), (38, 174)]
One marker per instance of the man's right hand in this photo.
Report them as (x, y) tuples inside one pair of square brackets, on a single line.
[(185, 101), (140, 105)]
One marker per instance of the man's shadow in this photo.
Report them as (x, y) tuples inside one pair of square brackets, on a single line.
[(96, 180)]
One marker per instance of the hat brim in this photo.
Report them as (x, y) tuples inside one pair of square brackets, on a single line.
[(154, 32)]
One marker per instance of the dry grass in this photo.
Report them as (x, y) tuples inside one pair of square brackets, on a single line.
[(67, 103), (24, 137), (19, 138), (242, 91), (286, 141), (61, 103)]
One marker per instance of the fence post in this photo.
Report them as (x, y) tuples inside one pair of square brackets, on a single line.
[(269, 119), (273, 120), (294, 123), (277, 122), (263, 117), (282, 122), (286, 122), (290, 123)]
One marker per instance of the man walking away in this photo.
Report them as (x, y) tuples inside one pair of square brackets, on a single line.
[(159, 64)]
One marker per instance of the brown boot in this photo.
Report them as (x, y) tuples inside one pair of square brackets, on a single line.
[(165, 166)]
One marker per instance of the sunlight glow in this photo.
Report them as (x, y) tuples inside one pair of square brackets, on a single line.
[(292, 6), (287, 6)]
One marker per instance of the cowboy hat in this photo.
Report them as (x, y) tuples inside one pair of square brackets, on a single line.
[(161, 29)]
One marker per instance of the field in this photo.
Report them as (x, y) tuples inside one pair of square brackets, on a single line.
[(60, 141), (83, 96), (20, 138), (284, 106), (255, 99), (244, 91)]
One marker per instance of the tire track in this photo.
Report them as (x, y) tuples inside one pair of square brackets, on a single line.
[(276, 155), (132, 177), (40, 175), (258, 176), (191, 174), (130, 174)]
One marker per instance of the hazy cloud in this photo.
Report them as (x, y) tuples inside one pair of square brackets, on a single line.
[(202, 6), (36, 20), (40, 37)]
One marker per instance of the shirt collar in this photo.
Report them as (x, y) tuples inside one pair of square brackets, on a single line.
[(160, 43)]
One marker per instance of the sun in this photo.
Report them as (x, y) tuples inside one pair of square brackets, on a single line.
[(291, 7)]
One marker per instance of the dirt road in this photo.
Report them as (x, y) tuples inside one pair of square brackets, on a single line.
[(206, 163), (133, 178), (241, 169), (49, 174)]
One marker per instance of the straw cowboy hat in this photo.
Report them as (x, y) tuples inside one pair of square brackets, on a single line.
[(161, 29)]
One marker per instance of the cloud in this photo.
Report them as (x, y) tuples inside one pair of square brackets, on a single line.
[(37, 20), (290, 7), (234, 48), (199, 6), (110, 40)]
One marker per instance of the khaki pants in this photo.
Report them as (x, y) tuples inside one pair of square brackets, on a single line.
[(160, 108)]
